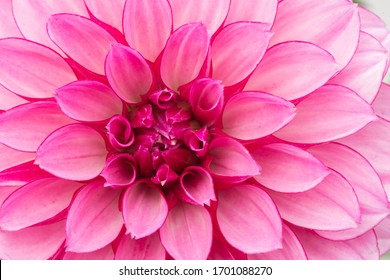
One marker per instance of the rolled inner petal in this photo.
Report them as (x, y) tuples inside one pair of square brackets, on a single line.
[(165, 175), (119, 132), (197, 141), (120, 171)]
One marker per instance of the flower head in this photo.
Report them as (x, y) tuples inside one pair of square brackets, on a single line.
[(221, 129)]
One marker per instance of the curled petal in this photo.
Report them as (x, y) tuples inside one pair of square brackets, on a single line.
[(286, 168), (331, 205), (74, 152), (311, 65), (164, 99), (105, 253), (164, 175), (329, 113), (197, 185), (251, 115), (94, 219), (249, 220), (32, 70), (120, 171), (81, 39), (197, 140), (26, 126), (128, 73), (237, 50), (108, 12), (153, 25), (120, 134), (184, 55), (381, 102), (144, 209), (179, 158), (143, 117), (147, 248), (252, 10), (187, 240)]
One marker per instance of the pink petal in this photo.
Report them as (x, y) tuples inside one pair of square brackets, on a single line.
[(382, 231), (88, 101), (318, 248), (252, 10), (32, 70), (39, 242), (365, 71), (144, 209), (331, 205), (109, 12), (8, 27), (120, 171), (292, 249), (74, 152), (311, 65), (32, 16), (237, 50), (123, 62), (6, 191), (187, 232), (26, 126), (153, 25), (105, 253), (329, 113), (336, 26), (10, 157), (94, 219), (8, 99), (184, 55), (81, 39), (249, 219), (211, 13), (36, 202), (382, 101), (372, 24), (219, 251), (369, 190), (119, 132), (147, 248), (252, 115), (372, 142), (22, 174), (228, 157), (197, 185), (286, 168)]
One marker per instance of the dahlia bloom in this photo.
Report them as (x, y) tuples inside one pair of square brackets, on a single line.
[(193, 129)]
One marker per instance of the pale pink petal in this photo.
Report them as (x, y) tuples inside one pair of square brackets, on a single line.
[(372, 141), (252, 115), (311, 65), (329, 113), (363, 247), (211, 13), (120, 171), (8, 27), (187, 232), (147, 248), (94, 219), (184, 55), (382, 231), (105, 253), (36, 202), (26, 126), (74, 152), (32, 70), (249, 219), (144, 209), (382, 101), (8, 99), (197, 185), (22, 174), (128, 73), (365, 71), (32, 16), (81, 39), (336, 26), (252, 10), (237, 50), (88, 101), (153, 25), (373, 202), (228, 157), (286, 168), (331, 205), (109, 12), (292, 249), (39, 242), (10, 157), (372, 24)]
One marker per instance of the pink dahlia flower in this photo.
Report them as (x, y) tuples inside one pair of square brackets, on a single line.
[(193, 129)]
